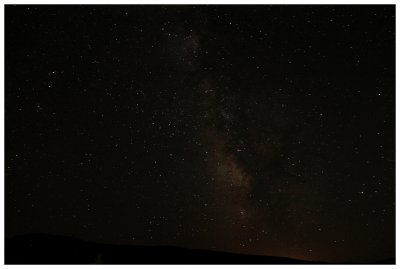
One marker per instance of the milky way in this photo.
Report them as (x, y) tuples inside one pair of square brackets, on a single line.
[(251, 129)]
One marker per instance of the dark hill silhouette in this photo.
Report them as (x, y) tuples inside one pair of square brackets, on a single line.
[(50, 249)]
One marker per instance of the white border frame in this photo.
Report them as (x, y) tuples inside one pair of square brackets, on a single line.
[(181, 2)]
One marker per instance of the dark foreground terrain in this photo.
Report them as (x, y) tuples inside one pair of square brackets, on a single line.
[(48, 249)]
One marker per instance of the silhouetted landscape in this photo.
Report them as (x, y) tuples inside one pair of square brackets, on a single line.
[(51, 249)]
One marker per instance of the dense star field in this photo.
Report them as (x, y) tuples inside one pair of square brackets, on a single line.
[(250, 129)]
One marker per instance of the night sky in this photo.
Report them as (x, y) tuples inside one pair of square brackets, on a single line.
[(252, 129)]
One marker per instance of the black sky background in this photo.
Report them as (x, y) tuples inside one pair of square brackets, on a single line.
[(254, 129)]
